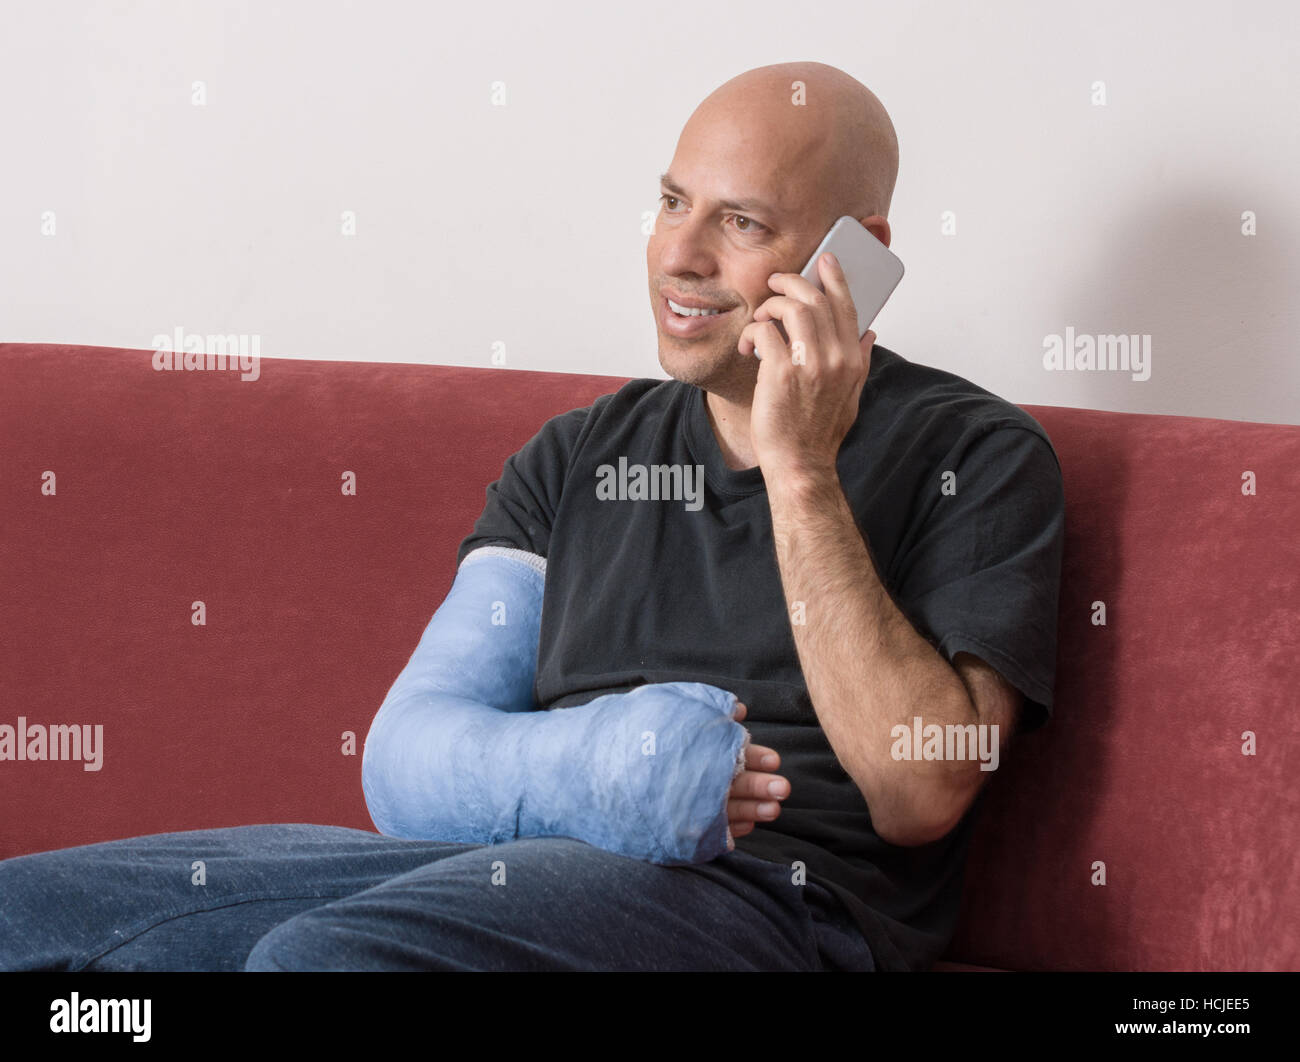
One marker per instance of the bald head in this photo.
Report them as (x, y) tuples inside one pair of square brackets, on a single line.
[(834, 135), (763, 168)]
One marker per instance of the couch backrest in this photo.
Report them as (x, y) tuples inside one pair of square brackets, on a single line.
[(182, 487), (1143, 772)]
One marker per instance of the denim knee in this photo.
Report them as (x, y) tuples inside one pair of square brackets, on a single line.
[(308, 941), (289, 946), (262, 958)]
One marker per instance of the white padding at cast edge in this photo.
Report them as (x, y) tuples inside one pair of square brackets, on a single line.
[(537, 563)]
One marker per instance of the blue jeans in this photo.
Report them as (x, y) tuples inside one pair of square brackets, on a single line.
[(309, 897)]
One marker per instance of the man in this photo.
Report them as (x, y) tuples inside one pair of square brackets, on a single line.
[(875, 551)]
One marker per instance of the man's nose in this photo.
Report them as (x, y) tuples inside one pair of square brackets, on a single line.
[(688, 246)]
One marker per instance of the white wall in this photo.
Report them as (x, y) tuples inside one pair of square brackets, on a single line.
[(522, 224)]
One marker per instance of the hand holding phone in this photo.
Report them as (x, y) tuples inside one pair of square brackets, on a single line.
[(871, 269)]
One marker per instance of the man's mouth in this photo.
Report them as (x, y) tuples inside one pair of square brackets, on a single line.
[(688, 316), (685, 321), (691, 311)]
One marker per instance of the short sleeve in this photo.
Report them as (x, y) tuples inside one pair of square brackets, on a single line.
[(522, 503), (981, 573)]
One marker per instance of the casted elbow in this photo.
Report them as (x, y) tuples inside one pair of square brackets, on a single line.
[(375, 791)]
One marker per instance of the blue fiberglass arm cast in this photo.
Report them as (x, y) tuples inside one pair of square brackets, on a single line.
[(457, 753)]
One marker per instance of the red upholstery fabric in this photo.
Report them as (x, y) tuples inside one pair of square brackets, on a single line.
[(1142, 767), (177, 487)]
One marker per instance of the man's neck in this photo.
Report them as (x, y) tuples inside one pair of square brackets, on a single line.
[(730, 423)]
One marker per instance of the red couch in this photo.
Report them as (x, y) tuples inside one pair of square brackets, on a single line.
[(181, 487)]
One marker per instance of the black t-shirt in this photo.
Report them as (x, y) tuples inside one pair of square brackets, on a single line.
[(656, 591)]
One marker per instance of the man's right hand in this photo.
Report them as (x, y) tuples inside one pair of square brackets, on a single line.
[(751, 799)]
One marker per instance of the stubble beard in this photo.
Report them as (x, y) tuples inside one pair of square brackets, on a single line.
[(718, 369)]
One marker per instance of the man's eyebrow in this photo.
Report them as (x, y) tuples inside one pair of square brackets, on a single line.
[(743, 206)]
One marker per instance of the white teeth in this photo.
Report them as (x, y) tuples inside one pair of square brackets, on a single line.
[(687, 311)]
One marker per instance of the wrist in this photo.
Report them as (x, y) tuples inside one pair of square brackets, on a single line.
[(801, 482)]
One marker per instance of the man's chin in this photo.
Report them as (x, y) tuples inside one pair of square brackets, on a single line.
[(686, 371), (690, 363), (722, 372)]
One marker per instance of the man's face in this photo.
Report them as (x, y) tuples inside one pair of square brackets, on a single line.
[(733, 211)]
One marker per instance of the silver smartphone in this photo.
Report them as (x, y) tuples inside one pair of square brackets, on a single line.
[(872, 269)]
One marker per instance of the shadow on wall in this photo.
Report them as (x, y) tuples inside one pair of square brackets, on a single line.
[(1211, 299)]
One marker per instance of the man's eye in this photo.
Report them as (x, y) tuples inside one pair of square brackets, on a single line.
[(750, 226)]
